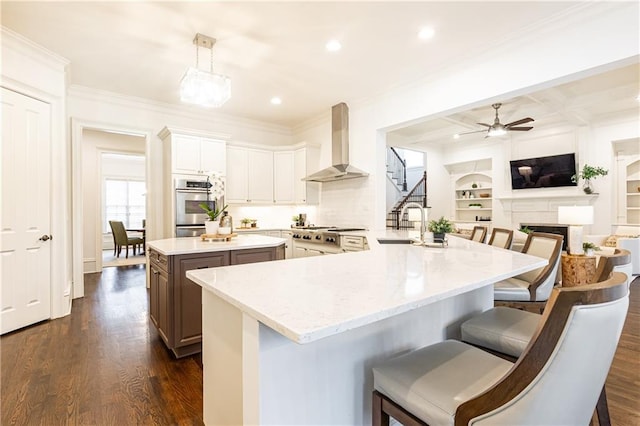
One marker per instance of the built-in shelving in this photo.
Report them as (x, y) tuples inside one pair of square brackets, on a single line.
[(473, 189), (632, 195)]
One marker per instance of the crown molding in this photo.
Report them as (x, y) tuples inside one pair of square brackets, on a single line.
[(103, 96), (17, 42)]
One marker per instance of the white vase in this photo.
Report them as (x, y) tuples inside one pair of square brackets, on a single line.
[(211, 226)]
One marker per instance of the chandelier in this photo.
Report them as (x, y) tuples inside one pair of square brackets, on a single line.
[(204, 88)]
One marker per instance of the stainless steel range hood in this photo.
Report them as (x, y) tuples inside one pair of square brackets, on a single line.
[(341, 169)]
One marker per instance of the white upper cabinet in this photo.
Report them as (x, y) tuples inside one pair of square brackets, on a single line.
[(283, 177), (249, 176), (192, 154), (264, 176)]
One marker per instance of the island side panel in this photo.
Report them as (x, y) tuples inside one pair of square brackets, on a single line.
[(329, 381), (230, 363)]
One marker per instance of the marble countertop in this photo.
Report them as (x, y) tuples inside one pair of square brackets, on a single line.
[(174, 246), (306, 299)]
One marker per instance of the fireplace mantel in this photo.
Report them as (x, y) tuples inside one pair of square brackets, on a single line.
[(540, 207)]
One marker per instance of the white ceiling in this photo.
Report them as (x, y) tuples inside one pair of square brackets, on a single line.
[(272, 49)]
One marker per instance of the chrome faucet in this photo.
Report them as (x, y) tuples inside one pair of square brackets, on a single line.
[(423, 222)]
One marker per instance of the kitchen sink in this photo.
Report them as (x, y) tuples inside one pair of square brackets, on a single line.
[(395, 240)]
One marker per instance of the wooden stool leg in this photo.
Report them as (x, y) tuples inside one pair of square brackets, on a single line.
[(602, 408), (379, 417)]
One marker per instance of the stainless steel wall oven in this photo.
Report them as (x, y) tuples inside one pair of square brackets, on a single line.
[(190, 217)]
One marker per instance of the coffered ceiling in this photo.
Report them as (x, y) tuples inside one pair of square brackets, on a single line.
[(269, 49), (609, 96)]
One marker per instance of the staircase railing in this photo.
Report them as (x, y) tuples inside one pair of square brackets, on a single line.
[(397, 166), (418, 194)]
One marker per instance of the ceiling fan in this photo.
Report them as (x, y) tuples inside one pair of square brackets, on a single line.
[(499, 129)]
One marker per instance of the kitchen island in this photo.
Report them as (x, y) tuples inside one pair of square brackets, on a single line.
[(293, 342), (175, 301)]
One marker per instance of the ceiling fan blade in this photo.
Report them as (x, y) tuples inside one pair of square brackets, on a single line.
[(475, 131), (520, 129), (521, 121), (484, 124)]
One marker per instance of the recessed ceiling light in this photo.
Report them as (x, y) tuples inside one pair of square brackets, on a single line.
[(276, 100), (456, 136), (333, 45), (426, 33)]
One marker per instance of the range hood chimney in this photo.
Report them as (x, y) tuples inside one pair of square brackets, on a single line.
[(341, 169)]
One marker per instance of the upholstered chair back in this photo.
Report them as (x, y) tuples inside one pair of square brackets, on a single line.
[(501, 238), (570, 380), (479, 233)]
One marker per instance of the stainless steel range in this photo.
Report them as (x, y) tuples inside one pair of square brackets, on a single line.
[(318, 240)]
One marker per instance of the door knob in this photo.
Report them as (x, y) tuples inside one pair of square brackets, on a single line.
[(45, 238)]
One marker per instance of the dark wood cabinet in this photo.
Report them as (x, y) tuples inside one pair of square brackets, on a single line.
[(175, 302)]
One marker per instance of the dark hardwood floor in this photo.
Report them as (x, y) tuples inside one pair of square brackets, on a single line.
[(102, 365), (106, 365)]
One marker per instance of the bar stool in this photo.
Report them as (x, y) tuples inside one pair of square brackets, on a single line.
[(454, 383)]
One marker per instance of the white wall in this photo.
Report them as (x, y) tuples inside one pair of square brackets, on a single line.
[(94, 143), (599, 37)]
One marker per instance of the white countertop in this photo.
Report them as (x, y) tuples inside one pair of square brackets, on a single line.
[(173, 246), (306, 299)]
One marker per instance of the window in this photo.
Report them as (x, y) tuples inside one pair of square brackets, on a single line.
[(124, 201)]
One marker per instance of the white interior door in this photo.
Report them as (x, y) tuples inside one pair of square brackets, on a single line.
[(25, 251)]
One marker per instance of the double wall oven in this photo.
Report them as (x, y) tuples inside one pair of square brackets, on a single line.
[(190, 217)]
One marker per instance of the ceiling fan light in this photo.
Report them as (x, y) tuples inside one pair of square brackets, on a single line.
[(497, 131)]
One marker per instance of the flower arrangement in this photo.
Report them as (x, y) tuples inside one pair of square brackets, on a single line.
[(216, 189)]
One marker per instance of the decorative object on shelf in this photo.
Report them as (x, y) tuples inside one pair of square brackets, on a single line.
[(485, 195), (474, 185), (589, 248), (246, 222), (216, 190), (254, 223), (204, 88), (575, 217), (439, 228), (587, 173), (475, 206)]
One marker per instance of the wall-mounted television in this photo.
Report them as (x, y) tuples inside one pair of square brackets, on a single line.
[(543, 172)]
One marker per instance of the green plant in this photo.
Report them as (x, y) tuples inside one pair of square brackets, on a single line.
[(474, 185), (475, 205), (589, 246), (440, 226), (245, 221), (526, 230), (589, 172), (212, 213)]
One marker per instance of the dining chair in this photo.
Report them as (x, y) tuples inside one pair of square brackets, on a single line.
[(121, 238), (501, 237), (531, 290), (478, 234), (557, 379)]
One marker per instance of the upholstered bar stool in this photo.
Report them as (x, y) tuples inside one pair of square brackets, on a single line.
[(532, 289), (508, 331), (478, 234), (501, 238), (454, 383)]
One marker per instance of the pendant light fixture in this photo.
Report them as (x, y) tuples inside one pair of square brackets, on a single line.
[(204, 88)]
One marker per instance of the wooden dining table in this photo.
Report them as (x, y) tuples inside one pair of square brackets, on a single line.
[(141, 230)]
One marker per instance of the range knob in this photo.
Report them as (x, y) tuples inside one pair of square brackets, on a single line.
[(318, 237), (306, 237), (331, 240)]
